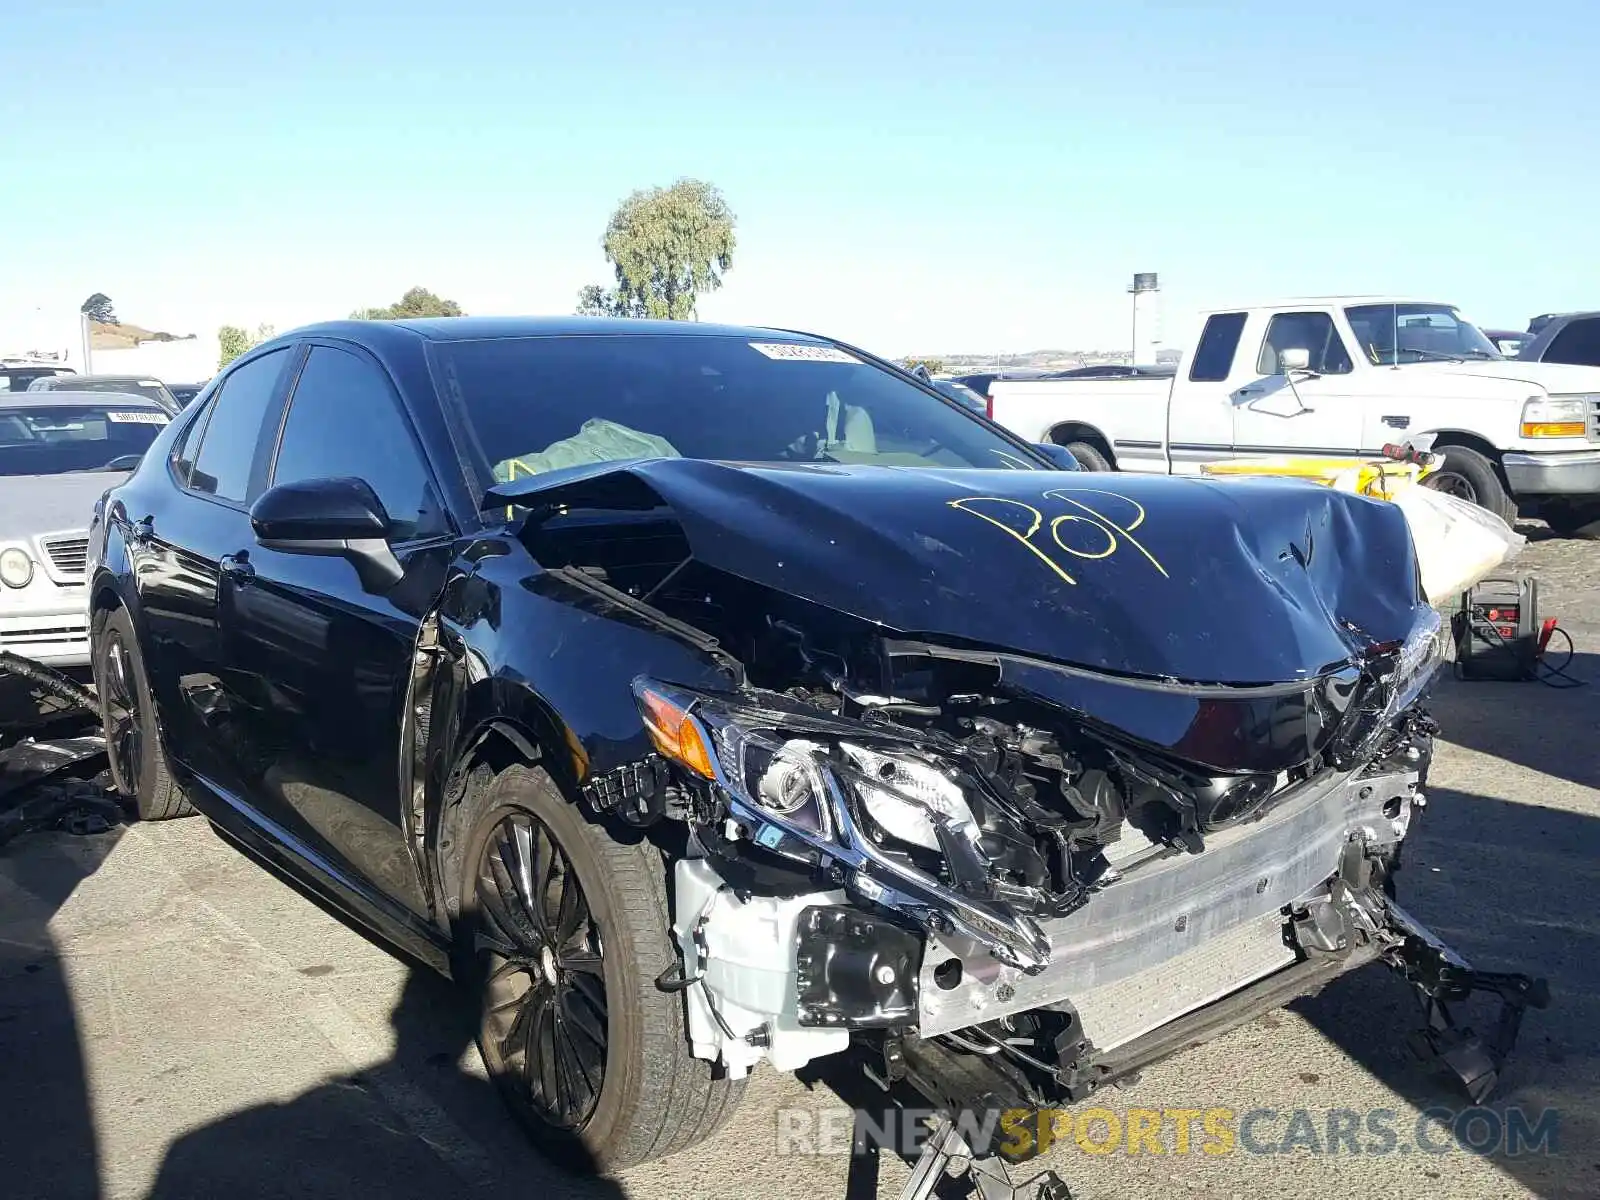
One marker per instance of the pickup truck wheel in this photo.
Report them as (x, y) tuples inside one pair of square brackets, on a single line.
[(128, 719), (1090, 457), (565, 933), (1573, 520), (1470, 476)]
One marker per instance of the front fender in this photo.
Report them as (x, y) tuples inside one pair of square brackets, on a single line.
[(520, 666)]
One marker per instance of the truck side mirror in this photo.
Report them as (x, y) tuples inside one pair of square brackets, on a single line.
[(1295, 358)]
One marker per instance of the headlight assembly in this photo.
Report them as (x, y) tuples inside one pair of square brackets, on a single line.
[(905, 796), (838, 794), (16, 567), (1555, 416)]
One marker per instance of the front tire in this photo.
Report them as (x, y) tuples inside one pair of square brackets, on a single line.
[(128, 717), (1470, 476), (565, 932)]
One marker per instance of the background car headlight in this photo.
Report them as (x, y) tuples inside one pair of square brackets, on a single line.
[(16, 567), (1555, 416)]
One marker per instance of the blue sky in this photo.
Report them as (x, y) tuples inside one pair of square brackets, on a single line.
[(912, 177)]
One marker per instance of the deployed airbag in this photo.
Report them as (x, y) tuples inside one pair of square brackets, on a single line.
[(598, 440)]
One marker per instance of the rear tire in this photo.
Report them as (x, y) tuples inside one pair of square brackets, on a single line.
[(128, 717), (1471, 476), (575, 972), (1090, 457)]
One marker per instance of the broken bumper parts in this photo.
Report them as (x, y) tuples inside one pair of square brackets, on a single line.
[(994, 937)]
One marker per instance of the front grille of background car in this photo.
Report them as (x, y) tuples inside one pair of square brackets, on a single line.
[(43, 631), (1594, 418), (69, 555)]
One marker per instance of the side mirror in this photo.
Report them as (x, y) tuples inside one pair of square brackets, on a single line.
[(1296, 358), (335, 518), (1060, 455)]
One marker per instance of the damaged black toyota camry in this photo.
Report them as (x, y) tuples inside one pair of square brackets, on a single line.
[(703, 696)]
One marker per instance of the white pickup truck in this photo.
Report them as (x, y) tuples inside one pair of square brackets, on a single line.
[(1334, 377)]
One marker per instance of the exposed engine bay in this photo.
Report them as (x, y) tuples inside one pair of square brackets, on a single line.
[(1012, 863)]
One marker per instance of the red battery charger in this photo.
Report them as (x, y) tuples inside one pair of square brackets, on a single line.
[(1498, 634)]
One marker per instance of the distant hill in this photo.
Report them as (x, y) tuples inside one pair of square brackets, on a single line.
[(123, 336), (1037, 360)]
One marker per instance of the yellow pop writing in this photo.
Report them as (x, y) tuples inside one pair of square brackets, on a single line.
[(1034, 538)]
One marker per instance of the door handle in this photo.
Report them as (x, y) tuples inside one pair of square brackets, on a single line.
[(236, 567)]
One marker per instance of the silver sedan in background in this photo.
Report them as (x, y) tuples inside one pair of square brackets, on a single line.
[(59, 452)]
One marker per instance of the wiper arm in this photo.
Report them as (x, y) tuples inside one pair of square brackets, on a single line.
[(1422, 355)]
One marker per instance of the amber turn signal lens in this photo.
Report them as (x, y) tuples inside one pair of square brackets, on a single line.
[(675, 734), (1544, 429)]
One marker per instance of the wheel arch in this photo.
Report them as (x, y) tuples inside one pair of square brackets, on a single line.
[(1065, 432), (1467, 440), (109, 591), (502, 725)]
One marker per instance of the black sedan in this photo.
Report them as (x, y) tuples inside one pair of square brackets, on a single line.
[(702, 696), (314, 571)]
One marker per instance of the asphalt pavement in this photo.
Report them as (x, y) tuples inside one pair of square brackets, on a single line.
[(175, 1022)]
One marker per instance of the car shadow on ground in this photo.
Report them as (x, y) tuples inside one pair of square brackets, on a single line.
[(414, 1126), (1513, 887), (419, 1124), (422, 1124), (1552, 729), (47, 1141)]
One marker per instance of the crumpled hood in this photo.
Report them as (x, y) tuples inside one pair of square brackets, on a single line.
[(35, 504), (1243, 582)]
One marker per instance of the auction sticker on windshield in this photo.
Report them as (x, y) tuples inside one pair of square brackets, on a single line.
[(137, 418), (796, 352)]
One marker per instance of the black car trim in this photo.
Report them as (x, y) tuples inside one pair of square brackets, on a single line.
[(1315, 451), (268, 841)]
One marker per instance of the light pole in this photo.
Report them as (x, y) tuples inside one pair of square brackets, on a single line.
[(1144, 290)]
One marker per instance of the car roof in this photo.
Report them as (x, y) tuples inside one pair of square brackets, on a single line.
[(56, 397), (458, 329), (142, 379), (1351, 301), (1566, 316)]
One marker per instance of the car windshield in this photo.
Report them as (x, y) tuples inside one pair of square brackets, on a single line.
[(1396, 334), (56, 439), (536, 404)]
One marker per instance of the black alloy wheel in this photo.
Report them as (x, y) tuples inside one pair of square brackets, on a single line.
[(543, 967), (1453, 484), (128, 719), (124, 737), (564, 930)]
